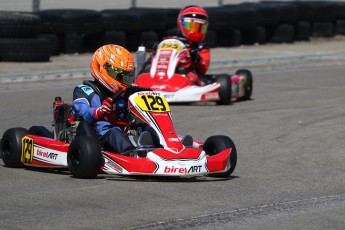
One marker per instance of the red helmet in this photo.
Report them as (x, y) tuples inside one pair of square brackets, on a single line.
[(192, 21)]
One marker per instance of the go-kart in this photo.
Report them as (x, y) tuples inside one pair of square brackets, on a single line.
[(73, 144), (163, 73)]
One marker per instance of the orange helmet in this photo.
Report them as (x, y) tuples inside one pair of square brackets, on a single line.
[(192, 21), (113, 66)]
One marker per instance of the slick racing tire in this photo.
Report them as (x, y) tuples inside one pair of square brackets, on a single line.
[(225, 89), (216, 144), (84, 157), (11, 147), (86, 129), (248, 90)]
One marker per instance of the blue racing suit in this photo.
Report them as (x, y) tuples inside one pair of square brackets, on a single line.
[(111, 129)]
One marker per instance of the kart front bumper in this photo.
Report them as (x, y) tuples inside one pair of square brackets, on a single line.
[(155, 165)]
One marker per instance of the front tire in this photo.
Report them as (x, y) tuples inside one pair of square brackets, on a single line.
[(225, 89), (11, 147), (84, 157), (216, 144)]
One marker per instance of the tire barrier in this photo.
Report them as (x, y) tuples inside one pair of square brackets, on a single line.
[(19, 24), (340, 18), (254, 35), (53, 41), (287, 11), (20, 40), (120, 20), (71, 26), (29, 37), (25, 49), (340, 27), (283, 33), (303, 31), (316, 11)]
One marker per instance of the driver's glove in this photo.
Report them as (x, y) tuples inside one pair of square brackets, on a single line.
[(102, 111), (194, 54)]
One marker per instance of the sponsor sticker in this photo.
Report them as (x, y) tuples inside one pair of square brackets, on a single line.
[(169, 96), (46, 154), (210, 96), (114, 166), (183, 170)]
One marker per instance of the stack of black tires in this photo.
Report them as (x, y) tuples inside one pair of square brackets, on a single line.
[(20, 39), (35, 37)]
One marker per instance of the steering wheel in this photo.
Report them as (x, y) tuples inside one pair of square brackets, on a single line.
[(128, 92)]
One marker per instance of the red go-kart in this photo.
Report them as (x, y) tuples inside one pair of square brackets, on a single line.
[(167, 78), (74, 145)]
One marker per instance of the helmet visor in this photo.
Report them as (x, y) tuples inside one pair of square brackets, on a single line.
[(125, 77), (195, 23)]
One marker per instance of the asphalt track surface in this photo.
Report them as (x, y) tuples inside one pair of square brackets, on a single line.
[(290, 171)]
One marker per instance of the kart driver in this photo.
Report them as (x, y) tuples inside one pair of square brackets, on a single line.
[(112, 67), (192, 22)]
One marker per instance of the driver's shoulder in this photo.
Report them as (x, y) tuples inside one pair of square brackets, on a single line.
[(84, 88), (83, 91)]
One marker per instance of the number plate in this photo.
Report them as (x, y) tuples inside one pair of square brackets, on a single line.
[(171, 44), (152, 103), (27, 149)]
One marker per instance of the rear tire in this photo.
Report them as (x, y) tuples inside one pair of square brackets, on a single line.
[(225, 89), (216, 144), (11, 147), (86, 129), (248, 90), (84, 157)]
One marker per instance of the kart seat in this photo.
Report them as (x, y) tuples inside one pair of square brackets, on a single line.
[(60, 122)]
